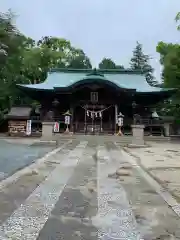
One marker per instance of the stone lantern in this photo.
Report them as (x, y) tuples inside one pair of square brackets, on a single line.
[(155, 115), (120, 120), (55, 105), (67, 120)]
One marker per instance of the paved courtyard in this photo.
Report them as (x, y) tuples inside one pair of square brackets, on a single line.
[(86, 189), (15, 155)]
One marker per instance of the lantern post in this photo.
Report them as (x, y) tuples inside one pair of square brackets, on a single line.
[(120, 123), (67, 120)]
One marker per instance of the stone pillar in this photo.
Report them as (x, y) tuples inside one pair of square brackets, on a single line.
[(47, 130), (167, 129), (138, 134)]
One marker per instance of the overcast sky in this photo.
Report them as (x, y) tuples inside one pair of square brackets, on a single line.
[(102, 28)]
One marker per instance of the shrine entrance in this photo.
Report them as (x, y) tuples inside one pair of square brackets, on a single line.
[(95, 119), (95, 106)]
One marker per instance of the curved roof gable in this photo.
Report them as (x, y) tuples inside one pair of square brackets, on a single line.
[(127, 79)]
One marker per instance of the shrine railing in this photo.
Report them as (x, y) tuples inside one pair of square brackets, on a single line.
[(144, 121), (35, 118), (127, 121), (38, 118)]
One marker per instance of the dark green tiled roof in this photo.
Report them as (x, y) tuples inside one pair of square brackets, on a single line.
[(64, 78)]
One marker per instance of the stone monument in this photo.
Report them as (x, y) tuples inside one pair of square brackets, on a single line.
[(137, 131), (47, 126)]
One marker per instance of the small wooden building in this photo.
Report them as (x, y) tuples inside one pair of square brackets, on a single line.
[(18, 118)]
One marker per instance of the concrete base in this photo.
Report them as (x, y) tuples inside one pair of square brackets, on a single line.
[(47, 130), (138, 135), (167, 129)]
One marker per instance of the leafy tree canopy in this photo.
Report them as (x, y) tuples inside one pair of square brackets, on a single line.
[(107, 63), (170, 61), (177, 18), (140, 62), (23, 60), (79, 60)]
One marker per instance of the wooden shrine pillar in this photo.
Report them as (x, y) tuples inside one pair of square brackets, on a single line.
[(115, 121), (72, 118), (85, 120)]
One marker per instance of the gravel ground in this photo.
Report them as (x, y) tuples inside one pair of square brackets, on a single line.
[(93, 191)]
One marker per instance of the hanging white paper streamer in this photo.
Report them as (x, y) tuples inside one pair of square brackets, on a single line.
[(93, 114)]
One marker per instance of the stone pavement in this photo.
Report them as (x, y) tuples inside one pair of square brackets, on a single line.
[(85, 190), (16, 154), (162, 161)]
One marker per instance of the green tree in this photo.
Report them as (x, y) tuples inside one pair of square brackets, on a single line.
[(140, 62), (23, 60), (177, 19), (48, 53), (9, 37), (38, 58), (11, 43), (108, 63), (79, 60), (170, 60)]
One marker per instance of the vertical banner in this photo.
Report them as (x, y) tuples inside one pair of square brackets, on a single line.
[(67, 120), (56, 127), (120, 122), (28, 127)]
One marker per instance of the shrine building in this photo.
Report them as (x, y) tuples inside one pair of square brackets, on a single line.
[(94, 99)]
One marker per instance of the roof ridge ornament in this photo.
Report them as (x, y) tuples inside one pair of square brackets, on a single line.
[(95, 72)]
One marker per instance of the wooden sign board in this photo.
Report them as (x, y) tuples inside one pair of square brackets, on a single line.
[(17, 127)]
